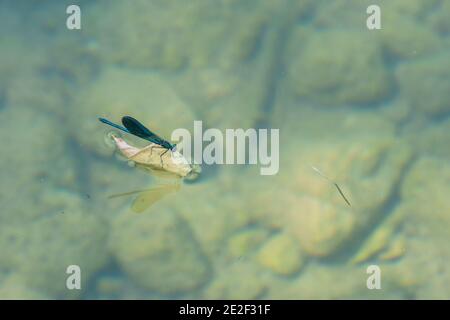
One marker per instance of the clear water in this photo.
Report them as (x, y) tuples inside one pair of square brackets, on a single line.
[(368, 108)]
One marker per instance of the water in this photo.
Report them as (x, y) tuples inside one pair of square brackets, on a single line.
[(369, 109)]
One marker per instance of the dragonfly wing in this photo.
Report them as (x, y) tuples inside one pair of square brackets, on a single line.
[(138, 129), (149, 197), (112, 124)]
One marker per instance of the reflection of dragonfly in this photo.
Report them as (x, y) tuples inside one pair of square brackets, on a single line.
[(148, 197)]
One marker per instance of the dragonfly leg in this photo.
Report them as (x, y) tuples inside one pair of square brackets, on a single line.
[(160, 157), (151, 149)]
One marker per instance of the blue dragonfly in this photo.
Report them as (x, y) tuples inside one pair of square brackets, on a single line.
[(134, 127), (146, 197)]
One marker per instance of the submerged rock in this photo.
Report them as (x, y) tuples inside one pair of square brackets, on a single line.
[(218, 56), (37, 161), (40, 251), (424, 201), (403, 35), (214, 213), (320, 227), (430, 139), (14, 288), (430, 97), (406, 38), (439, 19), (383, 241), (245, 242), (159, 252), (176, 34), (45, 224), (281, 254), (337, 67), (426, 188), (358, 152), (239, 280)]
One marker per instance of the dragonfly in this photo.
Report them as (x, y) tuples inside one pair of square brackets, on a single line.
[(148, 197), (134, 127)]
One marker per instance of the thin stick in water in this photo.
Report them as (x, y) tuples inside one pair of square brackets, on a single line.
[(334, 183)]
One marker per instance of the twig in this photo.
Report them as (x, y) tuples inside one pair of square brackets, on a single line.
[(334, 183)]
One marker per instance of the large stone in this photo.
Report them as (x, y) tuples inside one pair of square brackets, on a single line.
[(40, 251), (282, 255), (337, 67), (159, 252), (425, 84)]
